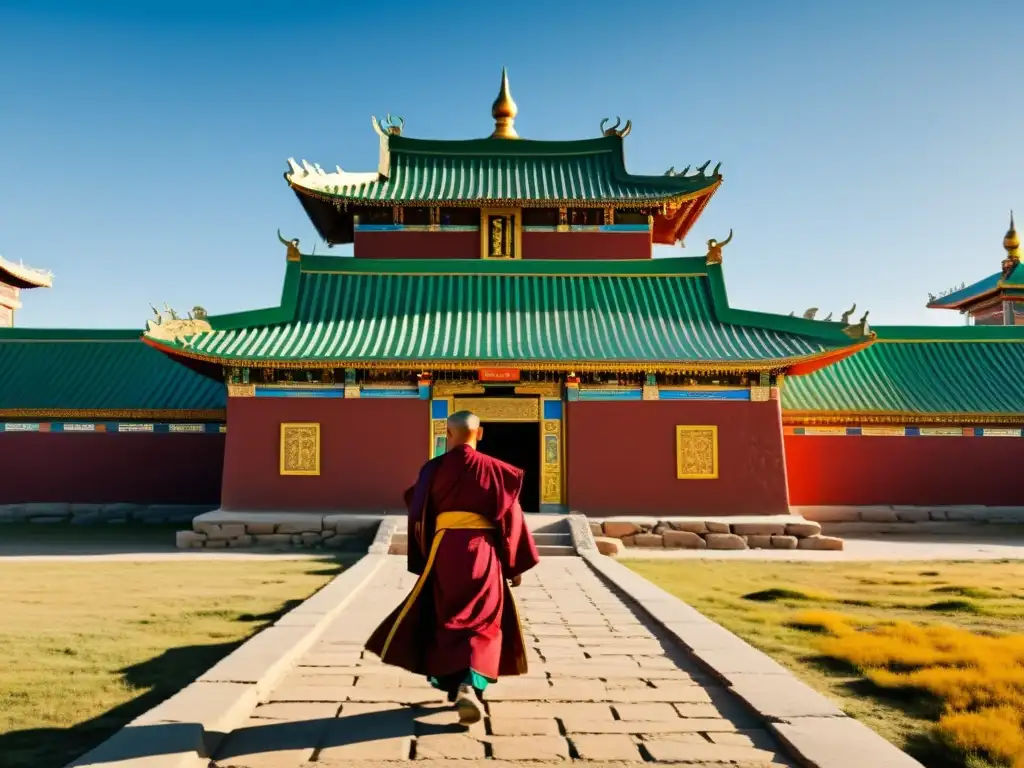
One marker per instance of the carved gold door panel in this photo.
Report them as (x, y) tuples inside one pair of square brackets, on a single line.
[(500, 233)]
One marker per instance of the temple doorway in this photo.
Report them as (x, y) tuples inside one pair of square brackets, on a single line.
[(518, 443)]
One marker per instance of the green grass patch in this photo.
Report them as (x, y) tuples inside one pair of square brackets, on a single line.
[(86, 647), (899, 657)]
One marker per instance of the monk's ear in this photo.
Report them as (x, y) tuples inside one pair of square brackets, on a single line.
[(479, 433)]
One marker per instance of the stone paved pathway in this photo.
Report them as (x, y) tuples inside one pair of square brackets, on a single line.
[(603, 687)]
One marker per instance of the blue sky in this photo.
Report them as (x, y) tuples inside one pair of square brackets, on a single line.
[(870, 150)]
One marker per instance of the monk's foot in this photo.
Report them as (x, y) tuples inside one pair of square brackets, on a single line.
[(468, 705)]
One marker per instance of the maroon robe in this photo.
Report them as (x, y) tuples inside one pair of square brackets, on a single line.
[(462, 615)]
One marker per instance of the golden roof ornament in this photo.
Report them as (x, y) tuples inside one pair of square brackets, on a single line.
[(714, 254), (504, 112), (292, 246), (1011, 241), (616, 131), (388, 126)]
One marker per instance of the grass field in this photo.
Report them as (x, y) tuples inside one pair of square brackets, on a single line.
[(86, 647), (930, 655)]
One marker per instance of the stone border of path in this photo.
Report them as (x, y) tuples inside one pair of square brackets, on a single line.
[(816, 732), (184, 730)]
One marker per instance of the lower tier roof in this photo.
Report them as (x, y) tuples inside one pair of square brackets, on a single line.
[(658, 314), (55, 373), (918, 372)]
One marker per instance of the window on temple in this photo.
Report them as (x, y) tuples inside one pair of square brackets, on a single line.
[(460, 217), (540, 217), (375, 215), (416, 217), (585, 216), (630, 217)]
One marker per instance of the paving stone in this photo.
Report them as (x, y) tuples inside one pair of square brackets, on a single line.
[(617, 530), (781, 697), (606, 545), (666, 750), (716, 526), (784, 542), (748, 738), (534, 748), (522, 710), (690, 526), (449, 746), (606, 747), (649, 540), (296, 711), (840, 742), (668, 726), (759, 541), (759, 529), (374, 733), (268, 744), (533, 726), (656, 711), (697, 710)]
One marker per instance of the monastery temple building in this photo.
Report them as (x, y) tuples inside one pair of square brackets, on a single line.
[(515, 278)]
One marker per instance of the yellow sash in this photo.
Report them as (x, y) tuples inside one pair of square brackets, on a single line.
[(446, 521)]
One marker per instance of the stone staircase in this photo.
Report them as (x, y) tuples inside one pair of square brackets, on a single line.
[(551, 532)]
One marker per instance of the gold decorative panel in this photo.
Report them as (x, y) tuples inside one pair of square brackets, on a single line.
[(501, 233), (241, 390), (500, 408), (551, 462), (697, 452), (300, 449), (438, 437), (760, 394)]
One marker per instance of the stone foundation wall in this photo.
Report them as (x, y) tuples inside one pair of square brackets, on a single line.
[(101, 514), (284, 530), (950, 520), (696, 533)]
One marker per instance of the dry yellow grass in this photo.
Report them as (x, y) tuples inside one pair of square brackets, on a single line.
[(86, 647), (931, 656)]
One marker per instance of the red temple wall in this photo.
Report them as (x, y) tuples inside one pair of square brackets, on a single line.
[(586, 245), (417, 245), (107, 468), (621, 458), (370, 452), (850, 470)]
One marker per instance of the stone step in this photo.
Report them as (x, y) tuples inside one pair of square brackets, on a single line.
[(564, 539), (555, 550)]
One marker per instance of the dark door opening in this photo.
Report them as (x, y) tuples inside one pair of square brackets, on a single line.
[(518, 443)]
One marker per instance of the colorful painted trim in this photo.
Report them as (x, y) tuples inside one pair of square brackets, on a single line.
[(643, 228), (704, 394), (339, 391), (112, 426), (904, 431)]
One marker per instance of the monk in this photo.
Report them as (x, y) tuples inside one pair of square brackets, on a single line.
[(469, 544)]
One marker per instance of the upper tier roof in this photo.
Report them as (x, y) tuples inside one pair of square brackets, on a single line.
[(916, 374), (63, 373), (663, 314), (21, 276), (1009, 280), (496, 172)]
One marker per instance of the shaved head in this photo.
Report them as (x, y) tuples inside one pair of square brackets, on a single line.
[(464, 429)]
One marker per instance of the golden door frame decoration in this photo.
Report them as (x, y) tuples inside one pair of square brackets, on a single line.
[(697, 452), (300, 448), (501, 233), (514, 409)]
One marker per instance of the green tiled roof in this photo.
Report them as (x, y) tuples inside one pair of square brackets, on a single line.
[(665, 312), (497, 171), (920, 371), (989, 285), (96, 371)]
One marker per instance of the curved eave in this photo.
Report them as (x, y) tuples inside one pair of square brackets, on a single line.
[(668, 197), (561, 366), (915, 418), (23, 277)]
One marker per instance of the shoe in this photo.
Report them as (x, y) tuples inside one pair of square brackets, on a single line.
[(468, 705)]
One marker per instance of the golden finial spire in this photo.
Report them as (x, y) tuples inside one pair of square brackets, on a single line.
[(504, 112), (1011, 241)]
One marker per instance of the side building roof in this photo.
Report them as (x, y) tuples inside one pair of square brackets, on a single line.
[(657, 315), (98, 374), (918, 375)]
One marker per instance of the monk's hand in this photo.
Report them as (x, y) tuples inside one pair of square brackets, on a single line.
[(516, 580)]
